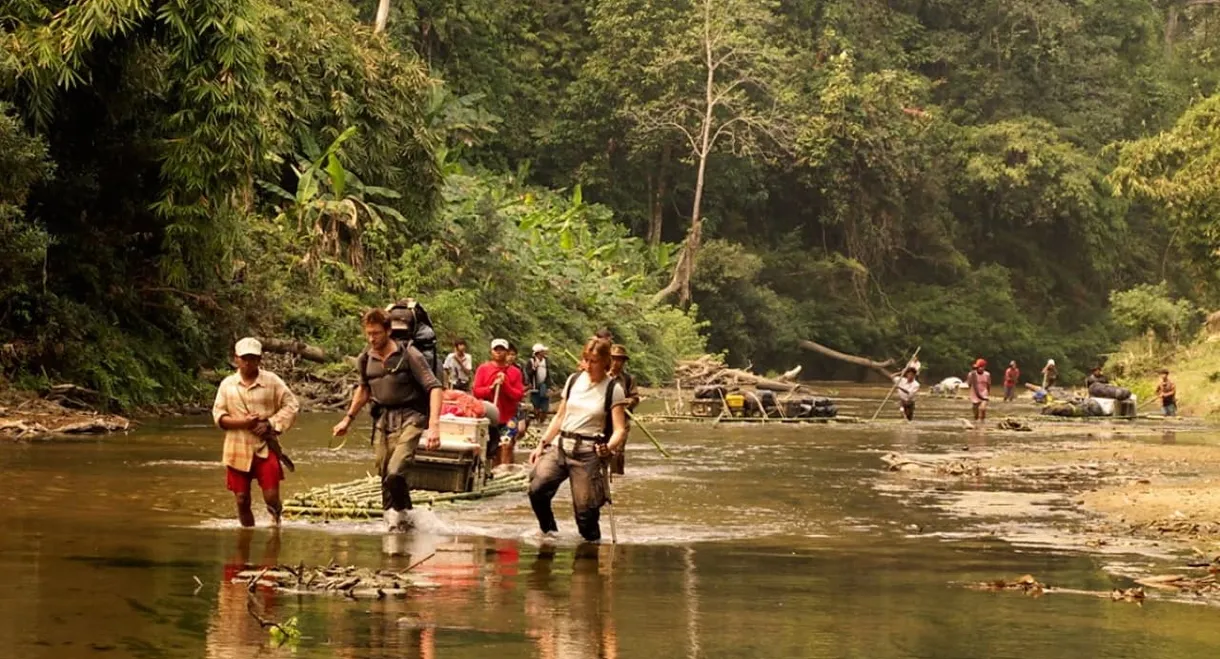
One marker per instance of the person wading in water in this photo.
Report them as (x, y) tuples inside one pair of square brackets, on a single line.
[(1012, 376), (618, 365), (907, 386), (406, 406), (253, 407), (979, 385), (501, 384), (589, 426)]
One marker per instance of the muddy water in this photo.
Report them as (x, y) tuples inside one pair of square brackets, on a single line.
[(751, 542)]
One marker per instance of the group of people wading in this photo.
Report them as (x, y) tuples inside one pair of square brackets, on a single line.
[(583, 442)]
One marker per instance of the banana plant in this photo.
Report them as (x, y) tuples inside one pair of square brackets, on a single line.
[(333, 210)]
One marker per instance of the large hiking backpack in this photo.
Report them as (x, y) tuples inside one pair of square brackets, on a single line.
[(410, 325)]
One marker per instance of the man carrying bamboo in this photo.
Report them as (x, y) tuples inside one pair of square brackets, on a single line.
[(406, 406), (499, 383), (253, 406), (618, 365)]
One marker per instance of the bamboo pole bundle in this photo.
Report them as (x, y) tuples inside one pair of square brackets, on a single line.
[(361, 498)]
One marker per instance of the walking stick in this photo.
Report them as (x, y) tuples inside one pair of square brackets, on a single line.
[(891, 393), (610, 501)]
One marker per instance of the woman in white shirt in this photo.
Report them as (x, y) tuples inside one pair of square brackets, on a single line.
[(588, 428)]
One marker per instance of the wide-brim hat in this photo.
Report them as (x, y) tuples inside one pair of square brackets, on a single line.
[(619, 350), (538, 347)]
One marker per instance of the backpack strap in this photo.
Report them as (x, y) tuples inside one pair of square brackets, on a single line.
[(608, 423), (567, 388)]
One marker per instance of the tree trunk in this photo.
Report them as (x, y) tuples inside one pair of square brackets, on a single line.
[(684, 270), (880, 367), (383, 14), (656, 219), (302, 350), (1171, 29)]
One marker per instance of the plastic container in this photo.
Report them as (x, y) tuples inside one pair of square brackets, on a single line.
[(455, 429), (736, 402)]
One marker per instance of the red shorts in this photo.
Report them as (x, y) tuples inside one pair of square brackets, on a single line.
[(266, 470)]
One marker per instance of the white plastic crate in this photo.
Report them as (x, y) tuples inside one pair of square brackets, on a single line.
[(462, 429)]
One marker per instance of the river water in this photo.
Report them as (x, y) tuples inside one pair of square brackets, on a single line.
[(751, 542)]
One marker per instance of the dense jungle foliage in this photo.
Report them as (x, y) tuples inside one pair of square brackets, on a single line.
[(979, 178)]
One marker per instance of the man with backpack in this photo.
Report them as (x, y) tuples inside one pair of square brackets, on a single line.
[(406, 399), (618, 366), (538, 380)]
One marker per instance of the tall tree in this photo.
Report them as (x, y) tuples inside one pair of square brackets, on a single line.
[(720, 71)]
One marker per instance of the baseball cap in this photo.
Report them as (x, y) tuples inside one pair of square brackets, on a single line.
[(248, 346), (499, 343), (538, 347), (980, 363)]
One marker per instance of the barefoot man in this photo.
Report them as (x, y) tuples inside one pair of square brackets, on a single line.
[(979, 384), (253, 406)]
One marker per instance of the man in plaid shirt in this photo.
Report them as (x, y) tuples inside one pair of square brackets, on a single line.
[(253, 406)]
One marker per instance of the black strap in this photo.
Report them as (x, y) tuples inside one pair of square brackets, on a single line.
[(608, 408)]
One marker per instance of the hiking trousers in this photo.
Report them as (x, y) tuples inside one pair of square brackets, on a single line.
[(395, 440), (588, 484)]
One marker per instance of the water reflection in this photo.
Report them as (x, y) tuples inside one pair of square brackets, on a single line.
[(232, 631), (580, 624)]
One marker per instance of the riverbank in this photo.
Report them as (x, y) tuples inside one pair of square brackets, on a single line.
[(1122, 487), (27, 416)]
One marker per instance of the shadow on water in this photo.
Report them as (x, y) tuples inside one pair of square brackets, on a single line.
[(751, 542)]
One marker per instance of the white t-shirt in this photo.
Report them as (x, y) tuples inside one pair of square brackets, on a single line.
[(586, 409), (906, 390)]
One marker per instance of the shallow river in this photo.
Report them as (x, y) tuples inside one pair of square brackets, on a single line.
[(751, 542)]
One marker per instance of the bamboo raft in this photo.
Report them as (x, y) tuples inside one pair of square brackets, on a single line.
[(694, 418), (361, 498)]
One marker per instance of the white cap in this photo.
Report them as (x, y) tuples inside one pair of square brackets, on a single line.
[(1050, 362), (248, 346), (499, 343), (538, 347)]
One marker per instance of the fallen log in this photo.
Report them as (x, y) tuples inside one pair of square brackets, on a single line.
[(298, 348), (880, 367)]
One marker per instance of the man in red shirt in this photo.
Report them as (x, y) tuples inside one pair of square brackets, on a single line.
[(500, 383), (1011, 377)]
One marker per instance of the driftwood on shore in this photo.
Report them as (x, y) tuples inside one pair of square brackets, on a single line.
[(880, 367), (30, 429), (710, 370), (298, 348)]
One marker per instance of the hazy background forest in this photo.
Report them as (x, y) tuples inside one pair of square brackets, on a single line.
[(1013, 179)]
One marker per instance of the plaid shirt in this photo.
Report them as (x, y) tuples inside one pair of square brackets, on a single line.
[(267, 397)]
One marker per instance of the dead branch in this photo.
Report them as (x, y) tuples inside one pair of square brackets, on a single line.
[(880, 367)]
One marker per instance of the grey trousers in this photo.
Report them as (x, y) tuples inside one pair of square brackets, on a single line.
[(584, 468)]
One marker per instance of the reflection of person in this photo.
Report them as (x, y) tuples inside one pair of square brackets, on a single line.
[(232, 632), (592, 419), (254, 407), (587, 627)]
